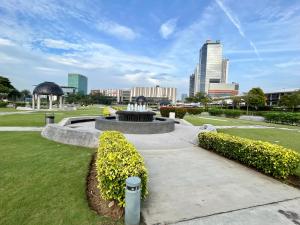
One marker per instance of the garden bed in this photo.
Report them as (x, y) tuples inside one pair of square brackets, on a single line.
[(96, 202)]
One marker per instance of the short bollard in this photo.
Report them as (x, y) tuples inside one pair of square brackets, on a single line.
[(132, 201)]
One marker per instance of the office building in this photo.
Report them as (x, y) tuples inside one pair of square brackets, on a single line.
[(223, 90), (192, 85), (274, 97), (155, 94), (78, 81), (225, 64), (211, 74), (119, 95), (210, 61)]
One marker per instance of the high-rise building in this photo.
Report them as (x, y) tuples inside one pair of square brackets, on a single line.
[(225, 63), (192, 85), (197, 79), (211, 64), (78, 81), (214, 71)]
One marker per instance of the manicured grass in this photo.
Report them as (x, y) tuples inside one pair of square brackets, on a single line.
[(38, 118), (8, 110), (43, 182), (286, 138), (223, 121)]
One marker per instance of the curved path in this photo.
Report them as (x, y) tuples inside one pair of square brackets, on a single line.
[(189, 185)]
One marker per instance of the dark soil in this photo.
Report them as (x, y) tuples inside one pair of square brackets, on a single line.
[(96, 202), (294, 181)]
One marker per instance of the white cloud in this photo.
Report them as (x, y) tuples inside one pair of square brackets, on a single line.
[(288, 64), (6, 42), (116, 30), (168, 28), (61, 44)]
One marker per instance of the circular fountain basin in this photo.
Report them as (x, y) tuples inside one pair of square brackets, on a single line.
[(146, 116), (158, 125)]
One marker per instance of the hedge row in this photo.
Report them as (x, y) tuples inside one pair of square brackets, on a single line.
[(227, 112), (282, 117), (195, 111), (269, 158), (3, 104), (106, 111), (117, 159), (179, 112)]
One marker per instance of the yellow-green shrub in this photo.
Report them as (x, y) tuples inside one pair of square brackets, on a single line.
[(117, 159), (105, 111), (269, 158)]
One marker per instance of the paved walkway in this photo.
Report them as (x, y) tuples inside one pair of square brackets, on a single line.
[(189, 185), (21, 129)]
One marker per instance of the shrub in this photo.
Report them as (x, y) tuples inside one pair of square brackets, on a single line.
[(282, 117), (215, 112), (232, 113), (194, 111), (117, 159), (179, 112), (269, 158), (106, 111), (20, 104), (3, 104)]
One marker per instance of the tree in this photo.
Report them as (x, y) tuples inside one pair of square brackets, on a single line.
[(5, 87), (236, 101), (14, 95), (291, 100), (25, 94), (255, 98)]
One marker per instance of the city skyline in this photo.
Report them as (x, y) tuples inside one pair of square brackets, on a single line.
[(148, 43)]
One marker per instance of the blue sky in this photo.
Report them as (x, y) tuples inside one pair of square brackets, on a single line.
[(120, 44)]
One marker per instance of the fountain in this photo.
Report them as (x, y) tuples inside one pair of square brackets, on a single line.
[(136, 119)]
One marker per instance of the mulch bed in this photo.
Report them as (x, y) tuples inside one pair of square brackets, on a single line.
[(95, 201)]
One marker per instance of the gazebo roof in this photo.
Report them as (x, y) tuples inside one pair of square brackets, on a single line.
[(48, 88)]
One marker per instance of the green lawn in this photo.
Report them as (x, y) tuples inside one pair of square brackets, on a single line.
[(43, 183), (286, 138), (38, 118), (223, 121), (8, 110)]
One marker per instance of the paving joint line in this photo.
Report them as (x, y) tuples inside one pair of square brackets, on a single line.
[(234, 210)]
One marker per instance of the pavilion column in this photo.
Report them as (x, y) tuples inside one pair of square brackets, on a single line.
[(61, 102), (50, 101), (38, 102), (33, 101)]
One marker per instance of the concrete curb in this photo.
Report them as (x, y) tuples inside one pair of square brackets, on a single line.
[(71, 136)]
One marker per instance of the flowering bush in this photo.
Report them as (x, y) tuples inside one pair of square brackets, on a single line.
[(179, 112), (117, 159), (269, 158)]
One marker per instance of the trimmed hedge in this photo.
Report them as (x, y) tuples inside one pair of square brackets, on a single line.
[(282, 117), (269, 158), (194, 111), (215, 112), (232, 113), (179, 112), (3, 104), (117, 159), (20, 104), (226, 112), (106, 111)]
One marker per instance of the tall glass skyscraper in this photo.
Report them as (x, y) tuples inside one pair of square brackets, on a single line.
[(210, 61), (78, 81)]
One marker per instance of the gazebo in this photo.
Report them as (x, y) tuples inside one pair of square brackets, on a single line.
[(49, 89)]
